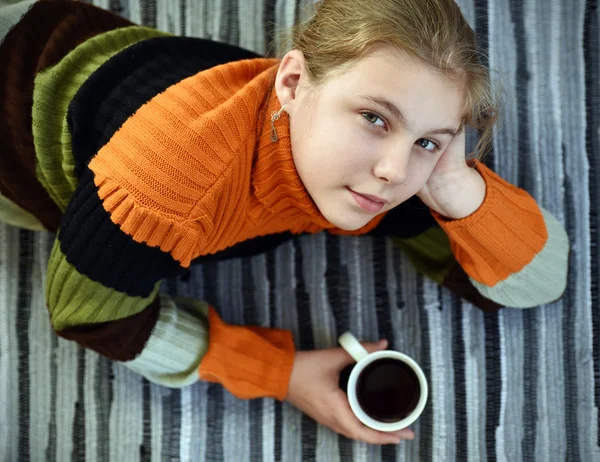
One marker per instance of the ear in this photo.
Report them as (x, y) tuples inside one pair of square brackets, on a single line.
[(290, 77)]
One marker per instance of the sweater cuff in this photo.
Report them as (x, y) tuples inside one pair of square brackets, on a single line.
[(251, 362), (499, 238)]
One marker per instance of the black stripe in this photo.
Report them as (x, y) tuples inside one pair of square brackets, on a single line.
[(338, 296), (148, 12), (116, 7), (146, 447), (214, 393), (22, 328), (91, 242), (591, 53), (172, 426), (406, 220), (397, 261), (182, 17), (530, 358), (307, 342), (255, 406), (229, 31), (460, 383), (425, 436), (79, 429), (51, 449), (482, 37), (175, 422), (493, 381), (385, 327), (530, 355), (269, 29), (103, 393), (522, 97), (98, 248), (571, 402), (272, 283), (129, 79)]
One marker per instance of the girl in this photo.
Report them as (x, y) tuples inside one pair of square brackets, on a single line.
[(148, 152)]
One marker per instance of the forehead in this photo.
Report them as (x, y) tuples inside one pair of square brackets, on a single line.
[(409, 84)]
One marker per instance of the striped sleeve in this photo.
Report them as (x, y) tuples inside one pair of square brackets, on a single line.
[(513, 251), (103, 283), (103, 292)]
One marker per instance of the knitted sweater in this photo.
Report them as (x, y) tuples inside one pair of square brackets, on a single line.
[(161, 154)]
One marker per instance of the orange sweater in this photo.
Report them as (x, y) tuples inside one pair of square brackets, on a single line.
[(220, 181), (194, 172)]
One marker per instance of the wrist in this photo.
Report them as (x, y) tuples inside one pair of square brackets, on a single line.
[(462, 196)]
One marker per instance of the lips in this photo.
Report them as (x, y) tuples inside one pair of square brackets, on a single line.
[(367, 202)]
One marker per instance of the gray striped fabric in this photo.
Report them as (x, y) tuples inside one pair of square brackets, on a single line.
[(520, 385)]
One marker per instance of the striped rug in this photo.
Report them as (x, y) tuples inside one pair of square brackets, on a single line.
[(511, 386)]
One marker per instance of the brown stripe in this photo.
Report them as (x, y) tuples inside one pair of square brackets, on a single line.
[(58, 27), (120, 340), (458, 282)]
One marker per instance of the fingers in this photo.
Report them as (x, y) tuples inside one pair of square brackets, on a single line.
[(355, 429), (371, 347)]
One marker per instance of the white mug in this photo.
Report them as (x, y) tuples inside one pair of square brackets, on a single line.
[(363, 359)]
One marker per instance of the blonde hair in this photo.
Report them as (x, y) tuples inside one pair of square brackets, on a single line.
[(340, 32)]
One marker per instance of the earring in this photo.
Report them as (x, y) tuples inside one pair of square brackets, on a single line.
[(275, 116)]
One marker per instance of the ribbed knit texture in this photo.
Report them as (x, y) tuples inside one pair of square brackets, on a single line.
[(430, 252), (248, 361), (543, 280), (59, 26), (181, 166), (77, 300), (173, 192), (54, 89), (178, 343), (502, 236)]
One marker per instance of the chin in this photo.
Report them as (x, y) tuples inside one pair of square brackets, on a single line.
[(347, 223)]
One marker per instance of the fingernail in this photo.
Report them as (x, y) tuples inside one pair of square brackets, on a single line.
[(383, 343)]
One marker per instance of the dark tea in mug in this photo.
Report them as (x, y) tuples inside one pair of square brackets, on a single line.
[(388, 390)]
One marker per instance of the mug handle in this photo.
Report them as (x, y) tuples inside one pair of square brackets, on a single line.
[(352, 346)]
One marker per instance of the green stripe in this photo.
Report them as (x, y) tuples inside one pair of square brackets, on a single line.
[(74, 299), (54, 89), (429, 252)]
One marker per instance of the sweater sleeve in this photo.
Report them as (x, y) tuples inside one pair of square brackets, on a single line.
[(103, 292), (513, 251)]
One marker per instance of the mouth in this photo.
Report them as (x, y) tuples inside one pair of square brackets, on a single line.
[(368, 202)]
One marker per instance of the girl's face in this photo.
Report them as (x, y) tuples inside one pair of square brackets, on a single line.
[(367, 139)]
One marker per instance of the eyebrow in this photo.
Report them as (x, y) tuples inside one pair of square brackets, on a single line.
[(398, 114)]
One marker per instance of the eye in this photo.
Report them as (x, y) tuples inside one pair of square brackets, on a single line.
[(428, 145), (372, 118)]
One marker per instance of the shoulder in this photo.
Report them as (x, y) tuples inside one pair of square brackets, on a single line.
[(168, 164)]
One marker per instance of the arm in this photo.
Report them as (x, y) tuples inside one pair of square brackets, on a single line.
[(513, 251), (483, 238), (103, 292)]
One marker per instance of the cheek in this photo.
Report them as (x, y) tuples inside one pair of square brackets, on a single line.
[(420, 171)]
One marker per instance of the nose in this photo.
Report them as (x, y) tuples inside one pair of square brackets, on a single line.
[(392, 167)]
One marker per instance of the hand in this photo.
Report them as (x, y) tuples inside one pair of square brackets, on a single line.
[(454, 189), (315, 391)]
